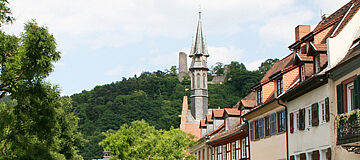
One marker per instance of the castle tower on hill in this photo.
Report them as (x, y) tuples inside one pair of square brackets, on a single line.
[(198, 74)]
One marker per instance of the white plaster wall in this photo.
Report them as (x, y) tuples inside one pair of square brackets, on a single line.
[(339, 45), (315, 137)]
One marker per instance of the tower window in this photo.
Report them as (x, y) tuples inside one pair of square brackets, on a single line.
[(198, 81), (204, 80)]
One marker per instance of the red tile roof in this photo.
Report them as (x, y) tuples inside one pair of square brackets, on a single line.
[(238, 131), (249, 100), (209, 118), (278, 67), (304, 57), (202, 123), (218, 112), (217, 130), (232, 111)]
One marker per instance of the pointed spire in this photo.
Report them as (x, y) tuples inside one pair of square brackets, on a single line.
[(199, 47)]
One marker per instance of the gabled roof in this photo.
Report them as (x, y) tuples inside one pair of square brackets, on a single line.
[(202, 123), (230, 135), (249, 100), (278, 67), (209, 118), (217, 130), (218, 113), (232, 111)]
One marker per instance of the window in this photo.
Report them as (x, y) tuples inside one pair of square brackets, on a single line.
[(296, 122), (259, 96), (267, 126), (302, 72), (233, 153), (281, 121), (350, 97), (279, 86), (224, 152), (243, 148), (308, 117), (228, 151), (219, 152), (317, 63), (260, 128), (273, 128), (251, 130), (198, 81), (256, 126), (204, 80), (322, 112), (238, 149)]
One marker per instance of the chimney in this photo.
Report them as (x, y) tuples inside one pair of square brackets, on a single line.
[(301, 31)]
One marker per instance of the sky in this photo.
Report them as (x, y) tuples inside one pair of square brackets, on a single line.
[(103, 41)]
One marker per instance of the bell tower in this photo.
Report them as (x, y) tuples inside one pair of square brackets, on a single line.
[(198, 73)]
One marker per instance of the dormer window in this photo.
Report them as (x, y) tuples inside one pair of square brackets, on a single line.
[(279, 86), (259, 96), (302, 72), (317, 63)]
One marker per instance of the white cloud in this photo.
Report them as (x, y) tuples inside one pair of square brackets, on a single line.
[(281, 28), (254, 65)]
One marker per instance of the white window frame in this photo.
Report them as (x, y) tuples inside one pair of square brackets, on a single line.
[(308, 117), (238, 149), (322, 112), (296, 121), (233, 151), (243, 148), (228, 151), (309, 155), (317, 63), (349, 98), (302, 72), (224, 152)]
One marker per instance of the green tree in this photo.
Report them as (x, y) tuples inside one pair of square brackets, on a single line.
[(218, 69), (139, 140), (37, 124), (266, 65)]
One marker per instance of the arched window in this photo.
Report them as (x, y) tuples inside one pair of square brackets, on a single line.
[(198, 81), (193, 80), (204, 80)]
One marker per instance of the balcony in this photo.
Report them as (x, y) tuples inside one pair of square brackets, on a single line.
[(348, 131)]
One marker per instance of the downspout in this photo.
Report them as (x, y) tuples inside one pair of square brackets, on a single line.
[(287, 129), (248, 135)]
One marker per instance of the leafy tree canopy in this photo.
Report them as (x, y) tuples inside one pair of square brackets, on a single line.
[(35, 121), (139, 140)]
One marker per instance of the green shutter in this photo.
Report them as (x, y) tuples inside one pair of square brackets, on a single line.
[(340, 103), (357, 92)]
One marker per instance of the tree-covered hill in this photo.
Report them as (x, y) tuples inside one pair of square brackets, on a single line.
[(155, 97)]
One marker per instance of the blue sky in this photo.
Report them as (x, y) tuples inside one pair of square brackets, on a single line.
[(103, 41)]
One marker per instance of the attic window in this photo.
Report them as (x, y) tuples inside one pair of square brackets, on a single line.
[(317, 63), (302, 72), (259, 96), (279, 86)]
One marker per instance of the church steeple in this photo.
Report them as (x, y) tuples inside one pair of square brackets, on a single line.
[(199, 47), (198, 73)]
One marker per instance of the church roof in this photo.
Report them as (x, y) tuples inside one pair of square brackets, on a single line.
[(199, 47)]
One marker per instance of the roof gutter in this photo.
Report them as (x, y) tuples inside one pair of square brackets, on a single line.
[(287, 129)]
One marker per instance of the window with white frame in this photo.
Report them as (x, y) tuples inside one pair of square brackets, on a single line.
[(317, 63), (302, 72), (224, 152), (243, 148), (350, 96), (238, 149), (322, 112), (259, 96), (219, 154), (309, 155), (228, 151), (233, 153), (279, 86), (296, 121), (308, 117)]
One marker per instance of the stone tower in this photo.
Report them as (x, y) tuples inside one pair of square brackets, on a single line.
[(183, 71), (198, 73)]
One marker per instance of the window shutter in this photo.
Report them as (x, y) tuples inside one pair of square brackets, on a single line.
[(327, 109), (292, 158), (340, 104), (328, 153), (273, 124), (251, 130), (261, 127), (278, 122), (357, 92), (283, 121), (302, 156), (316, 155), (302, 119), (291, 122), (315, 114)]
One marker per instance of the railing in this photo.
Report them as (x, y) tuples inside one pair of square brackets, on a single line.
[(348, 128)]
